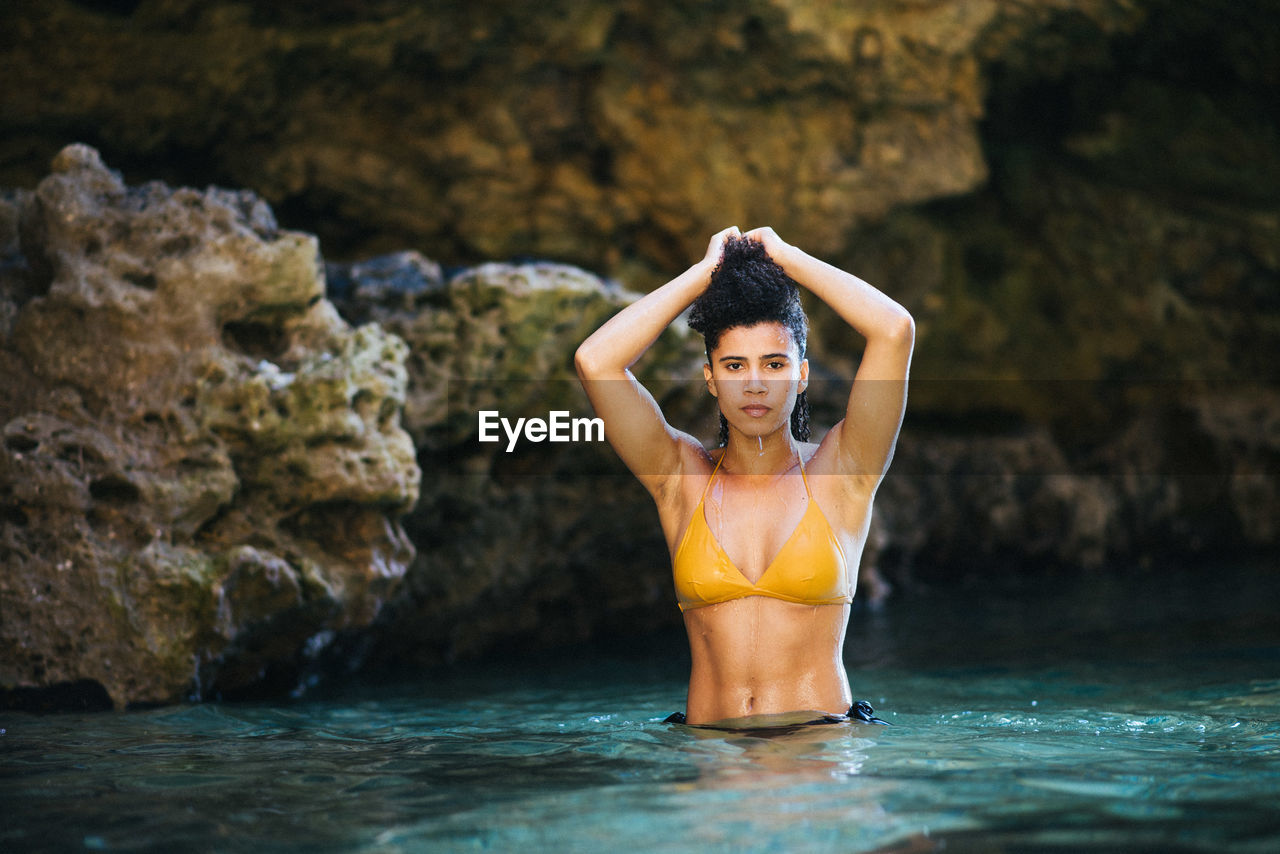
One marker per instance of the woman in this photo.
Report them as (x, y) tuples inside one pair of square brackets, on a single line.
[(766, 531)]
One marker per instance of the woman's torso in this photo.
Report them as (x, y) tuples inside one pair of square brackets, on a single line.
[(776, 648)]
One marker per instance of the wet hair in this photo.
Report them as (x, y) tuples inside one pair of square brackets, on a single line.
[(748, 288)]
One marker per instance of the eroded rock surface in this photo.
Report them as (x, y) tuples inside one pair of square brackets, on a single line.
[(548, 542), (202, 464), (603, 133), (1075, 200)]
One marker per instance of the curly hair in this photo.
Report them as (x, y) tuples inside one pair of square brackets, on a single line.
[(747, 288)]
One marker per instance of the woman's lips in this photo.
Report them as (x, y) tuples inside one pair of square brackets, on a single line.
[(756, 410)]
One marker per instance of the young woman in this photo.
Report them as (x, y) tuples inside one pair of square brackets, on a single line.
[(765, 532)]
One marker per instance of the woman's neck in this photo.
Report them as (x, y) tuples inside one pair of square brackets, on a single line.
[(772, 454)]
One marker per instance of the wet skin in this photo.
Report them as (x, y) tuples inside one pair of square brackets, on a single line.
[(758, 655)]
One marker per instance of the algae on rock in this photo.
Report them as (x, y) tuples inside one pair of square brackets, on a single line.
[(202, 465)]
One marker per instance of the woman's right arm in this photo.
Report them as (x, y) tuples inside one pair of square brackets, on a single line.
[(633, 423)]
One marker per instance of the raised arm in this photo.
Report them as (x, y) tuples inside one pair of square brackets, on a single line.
[(867, 435), (633, 423)]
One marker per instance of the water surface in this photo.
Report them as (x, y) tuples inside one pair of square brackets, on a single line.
[(1096, 715)]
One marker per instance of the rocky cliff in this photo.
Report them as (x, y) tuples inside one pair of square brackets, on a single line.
[(1075, 199), (610, 134), (1060, 190), (202, 465)]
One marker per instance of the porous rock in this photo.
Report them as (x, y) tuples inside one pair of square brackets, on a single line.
[(548, 543), (202, 464), (1075, 199), (604, 133)]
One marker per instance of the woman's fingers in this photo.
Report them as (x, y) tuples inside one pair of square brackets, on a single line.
[(766, 235), (716, 247)]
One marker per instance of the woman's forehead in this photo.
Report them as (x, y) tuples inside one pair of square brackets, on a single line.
[(768, 337)]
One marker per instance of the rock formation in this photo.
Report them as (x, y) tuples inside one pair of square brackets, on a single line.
[(548, 543), (609, 134), (1075, 198), (202, 463)]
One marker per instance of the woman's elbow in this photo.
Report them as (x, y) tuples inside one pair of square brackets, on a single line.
[(903, 330), (586, 361)]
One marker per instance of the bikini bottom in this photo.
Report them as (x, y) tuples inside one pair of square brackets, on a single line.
[(859, 712)]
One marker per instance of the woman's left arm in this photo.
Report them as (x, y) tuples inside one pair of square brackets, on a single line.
[(867, 435)]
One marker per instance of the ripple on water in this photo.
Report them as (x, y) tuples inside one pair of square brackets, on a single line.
[(1107, 752)]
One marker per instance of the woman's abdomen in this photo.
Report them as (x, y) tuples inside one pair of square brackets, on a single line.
[(760, 656)]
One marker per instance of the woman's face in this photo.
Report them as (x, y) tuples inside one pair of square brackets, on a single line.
[(755, 373)]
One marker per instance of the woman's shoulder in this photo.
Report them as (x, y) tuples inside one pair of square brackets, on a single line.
[(813, 455), (693, 462), (824, 459), (698, 454)]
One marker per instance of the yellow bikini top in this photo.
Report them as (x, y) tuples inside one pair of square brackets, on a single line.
[(809, 569)]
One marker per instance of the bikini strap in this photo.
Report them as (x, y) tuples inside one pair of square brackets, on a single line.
[(713, 477), (803, 476)]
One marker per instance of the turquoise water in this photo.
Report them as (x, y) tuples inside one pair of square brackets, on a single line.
[(1091, 716)]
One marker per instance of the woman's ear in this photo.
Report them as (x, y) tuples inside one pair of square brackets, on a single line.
[(706, 376), (804, 376)]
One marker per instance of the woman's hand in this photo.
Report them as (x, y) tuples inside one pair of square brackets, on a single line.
[(715, 249), (773, 244)]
